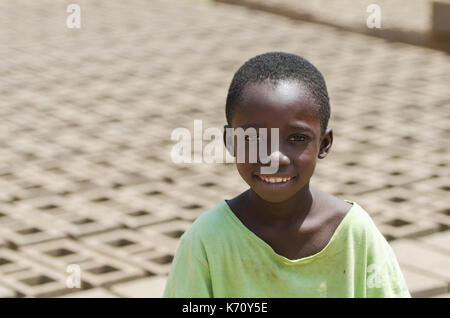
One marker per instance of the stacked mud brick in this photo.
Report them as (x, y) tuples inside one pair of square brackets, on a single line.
[(85, 140)]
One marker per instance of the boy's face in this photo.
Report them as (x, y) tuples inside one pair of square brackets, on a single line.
[(288, 107)]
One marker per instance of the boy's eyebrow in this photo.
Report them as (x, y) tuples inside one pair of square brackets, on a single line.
[(291, 125), (300, 126)]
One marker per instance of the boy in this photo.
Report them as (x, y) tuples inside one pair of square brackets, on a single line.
[(282, 237)]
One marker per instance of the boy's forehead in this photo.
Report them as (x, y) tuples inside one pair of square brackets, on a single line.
[(281, 92), (284, 97)]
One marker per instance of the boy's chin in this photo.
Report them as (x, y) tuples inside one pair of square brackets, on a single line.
[(273, 197)]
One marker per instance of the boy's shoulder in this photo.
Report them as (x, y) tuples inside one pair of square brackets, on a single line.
[(358, 222), (337, 210)]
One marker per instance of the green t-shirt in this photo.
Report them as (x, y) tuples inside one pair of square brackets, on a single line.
[(218, 256)]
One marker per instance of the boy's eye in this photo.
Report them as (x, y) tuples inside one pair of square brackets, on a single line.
[(299, 138)]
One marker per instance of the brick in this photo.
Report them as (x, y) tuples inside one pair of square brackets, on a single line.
[(190, 207), (402, 225), (5, 292), (419, 257), (11, 261), (152, 287), (157, 262), (167, 234), (96, 269), (421, 285), (152, 252), (21, 233), (91, 293), (81, 224), (35, 280), (439, 241), (446, 295), (121, 243)]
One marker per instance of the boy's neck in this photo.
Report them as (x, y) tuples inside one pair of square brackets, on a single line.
[(284, 214)]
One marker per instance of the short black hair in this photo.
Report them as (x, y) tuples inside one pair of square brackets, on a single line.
[(277, 66)]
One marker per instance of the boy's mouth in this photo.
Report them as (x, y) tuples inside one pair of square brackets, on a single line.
[(274, 180)]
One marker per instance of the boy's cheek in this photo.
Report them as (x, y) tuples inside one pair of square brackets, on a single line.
[(245, 171)]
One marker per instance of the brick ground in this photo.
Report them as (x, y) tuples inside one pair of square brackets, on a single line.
[(87, 117)]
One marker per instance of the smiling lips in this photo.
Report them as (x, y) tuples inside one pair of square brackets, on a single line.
[(273, 179)]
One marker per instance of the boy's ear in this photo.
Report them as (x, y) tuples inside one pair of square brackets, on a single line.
[(325, 145), (228, 140)]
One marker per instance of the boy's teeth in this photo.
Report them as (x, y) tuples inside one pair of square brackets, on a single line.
[(275, 179)]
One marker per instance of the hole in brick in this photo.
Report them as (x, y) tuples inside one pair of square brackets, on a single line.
[(4, 261), (117, 185), (208, 184), (174, 234), (446, 188), (351, 182), (139, 213), (30, 230), (398, 222), (55, 169), (121, 243), (37, 280), (351, 163), (396, 173), (168, 180), (192, 206), (14, 199), (101, 199), (397, 199), (48, 207), (34, 186), (83, 181), (104, 163), (103, 269), (83, 221), (85, 285), (166, 259), (30, 155), (155, 192), (2, 214), (59, 252), (369, 127), (445, 212), (409, 138)]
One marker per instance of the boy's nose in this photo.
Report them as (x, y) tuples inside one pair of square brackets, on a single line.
[(282, 158)]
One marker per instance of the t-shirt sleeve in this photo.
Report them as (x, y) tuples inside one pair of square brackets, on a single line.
[(385, 280), (189, 276)]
